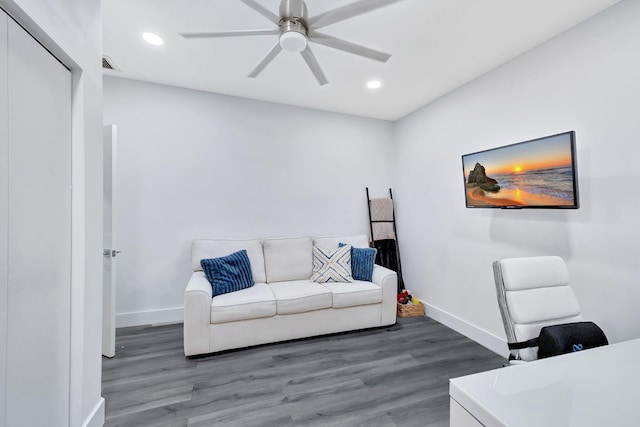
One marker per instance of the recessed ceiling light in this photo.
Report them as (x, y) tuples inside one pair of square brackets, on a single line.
[(374, 84), (153, 39)]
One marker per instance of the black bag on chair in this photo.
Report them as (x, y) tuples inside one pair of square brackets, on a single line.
[(569, 337)]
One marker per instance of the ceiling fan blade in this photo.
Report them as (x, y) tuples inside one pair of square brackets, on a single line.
[(346, 46), (262, 11), (230, 34), (348, 11), (275, 50), (312, 62)]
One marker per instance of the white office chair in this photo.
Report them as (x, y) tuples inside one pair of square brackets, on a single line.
[(533, 292)]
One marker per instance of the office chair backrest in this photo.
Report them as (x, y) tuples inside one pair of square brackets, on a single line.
[(533, 292)]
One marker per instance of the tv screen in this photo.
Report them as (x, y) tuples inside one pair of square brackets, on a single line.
[(540, 173)]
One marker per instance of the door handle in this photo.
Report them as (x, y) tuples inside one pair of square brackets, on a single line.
[(110, 252), (114, 253)]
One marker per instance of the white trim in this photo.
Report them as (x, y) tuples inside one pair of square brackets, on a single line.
[(96, 417), (77, 315), (492, 342), (150, 317)]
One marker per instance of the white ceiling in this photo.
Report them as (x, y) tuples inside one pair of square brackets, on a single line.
[(436, 46)]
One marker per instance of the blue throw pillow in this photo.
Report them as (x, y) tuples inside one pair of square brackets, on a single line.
[(228, 273), (362, 261)]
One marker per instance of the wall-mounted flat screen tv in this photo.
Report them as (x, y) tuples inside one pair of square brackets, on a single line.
[(540, 173)]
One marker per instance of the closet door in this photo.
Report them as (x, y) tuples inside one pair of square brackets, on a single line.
[(38, 278)]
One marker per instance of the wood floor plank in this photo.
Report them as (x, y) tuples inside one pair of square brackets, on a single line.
[(169, 396), (383, 377), (433, 412), (359, 371), (367, 420)]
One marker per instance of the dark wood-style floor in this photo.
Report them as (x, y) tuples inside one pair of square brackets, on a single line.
[(393, 376)]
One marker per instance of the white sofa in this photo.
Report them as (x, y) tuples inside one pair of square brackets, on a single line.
[(283, 304)]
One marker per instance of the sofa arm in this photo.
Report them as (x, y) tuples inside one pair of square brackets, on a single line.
[(197, 314), (388, 281)]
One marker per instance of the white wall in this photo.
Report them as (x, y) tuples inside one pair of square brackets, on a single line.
[(72, 30), (200, 165), (586, 80)]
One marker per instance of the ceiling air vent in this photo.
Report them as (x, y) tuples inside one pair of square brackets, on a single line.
[(107, 64)]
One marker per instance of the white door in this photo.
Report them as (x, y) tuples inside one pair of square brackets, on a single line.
[(35, 106), (110, 137)]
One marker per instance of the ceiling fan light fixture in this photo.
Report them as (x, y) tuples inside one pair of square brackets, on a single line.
[(293, 41)]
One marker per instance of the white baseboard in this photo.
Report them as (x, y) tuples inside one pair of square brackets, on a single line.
[(487, 339), (96, 418), (175, 315), (151, 317)]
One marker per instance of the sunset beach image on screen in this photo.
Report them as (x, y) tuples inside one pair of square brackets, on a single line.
[(535, 173)]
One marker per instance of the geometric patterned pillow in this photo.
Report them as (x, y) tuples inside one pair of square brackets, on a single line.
[(228, 273), (331, 265), (362, 262)]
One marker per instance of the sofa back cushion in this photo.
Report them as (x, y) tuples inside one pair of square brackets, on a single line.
[(288, 259), (203, 249), (361, 241)]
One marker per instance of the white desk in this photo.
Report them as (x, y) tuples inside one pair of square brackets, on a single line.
[(598, 387)]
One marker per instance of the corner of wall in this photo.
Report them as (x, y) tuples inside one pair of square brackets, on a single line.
[(482, 337)]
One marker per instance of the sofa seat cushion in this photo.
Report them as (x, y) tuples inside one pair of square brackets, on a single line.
[(251, 303), (355, 293), (299, 296)]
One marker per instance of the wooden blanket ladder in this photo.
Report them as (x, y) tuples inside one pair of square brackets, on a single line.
[(384, 236)]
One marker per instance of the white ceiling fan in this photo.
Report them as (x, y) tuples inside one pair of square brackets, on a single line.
[(296, 30)]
